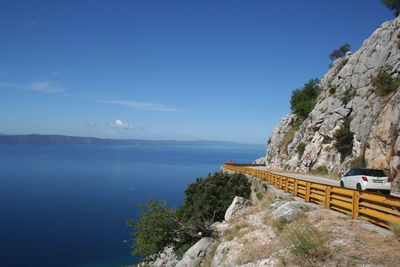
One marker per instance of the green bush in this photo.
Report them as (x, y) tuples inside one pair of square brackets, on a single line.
[(322, 170), (208, 198), (392, 5), (385, 84), (303, 100), (332, 90), (348, 95), (259, 195), (344, 139), (341, 52), (206, 201), (300, 148), (265, 186), (154, 230)]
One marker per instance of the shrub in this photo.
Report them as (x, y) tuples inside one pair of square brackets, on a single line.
[(300, 148), (322, 170), (341, 52), (206, 201), (344, 139), (304, 99), (332, 90), (209, 198), (153, 231), (259, 195), (306, 243), (392, 5), (348, 95), (385, 84), (279, 224), (265, 186)]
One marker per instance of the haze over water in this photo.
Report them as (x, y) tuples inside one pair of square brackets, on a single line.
[(67, 205)]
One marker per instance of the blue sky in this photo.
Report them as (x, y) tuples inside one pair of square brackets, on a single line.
[(185, 70)]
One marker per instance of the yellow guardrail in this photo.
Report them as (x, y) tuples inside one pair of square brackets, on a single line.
[(380, 209)]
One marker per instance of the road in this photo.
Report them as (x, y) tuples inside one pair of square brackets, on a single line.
[(310, 178)]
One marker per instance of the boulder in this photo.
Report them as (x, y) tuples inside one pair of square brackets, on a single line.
[(276, 205), (287, 211), (238, 204), (194, 255)]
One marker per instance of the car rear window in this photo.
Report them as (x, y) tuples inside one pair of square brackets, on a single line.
[(376, 173)]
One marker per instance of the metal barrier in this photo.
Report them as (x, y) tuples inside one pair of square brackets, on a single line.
[(383, 210)]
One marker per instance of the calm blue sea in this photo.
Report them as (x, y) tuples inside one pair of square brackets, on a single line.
[(67, 205)]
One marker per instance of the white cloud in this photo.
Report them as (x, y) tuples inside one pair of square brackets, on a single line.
[(141, 105), (90, 123), (46, 87), (120, 124)]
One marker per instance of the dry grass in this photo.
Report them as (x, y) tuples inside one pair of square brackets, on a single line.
[(207, 261), (307, 244), (255, 251), (237, 230), (395, 227), (351, 244)]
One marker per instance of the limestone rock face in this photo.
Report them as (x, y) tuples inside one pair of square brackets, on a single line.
[(237, 204), (194, 255), (374, 118), (166, 259)]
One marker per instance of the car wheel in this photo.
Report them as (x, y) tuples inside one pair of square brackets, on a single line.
[(359, 187), (341, 184)]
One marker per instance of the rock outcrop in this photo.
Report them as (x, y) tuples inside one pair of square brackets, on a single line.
[(237, 205), (348, 91), (194, 255)]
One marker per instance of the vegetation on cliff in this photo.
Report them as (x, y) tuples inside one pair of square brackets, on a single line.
[(206, 201), (340, 52), (392, 5), (304, 99), (344, 139)]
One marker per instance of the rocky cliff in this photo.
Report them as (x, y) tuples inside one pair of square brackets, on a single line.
[(361, 89), (275, 229)]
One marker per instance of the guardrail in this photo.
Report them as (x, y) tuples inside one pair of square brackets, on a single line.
[(383, 210)]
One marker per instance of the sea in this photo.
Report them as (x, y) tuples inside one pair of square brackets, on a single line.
[(66, 206)]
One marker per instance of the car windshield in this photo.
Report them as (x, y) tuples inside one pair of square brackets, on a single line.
[(376, 173)]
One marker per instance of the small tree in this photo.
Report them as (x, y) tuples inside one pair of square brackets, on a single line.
[(154, 230), (206, 202), (344, 139), (392, 5), (303, 100), (341, 52)]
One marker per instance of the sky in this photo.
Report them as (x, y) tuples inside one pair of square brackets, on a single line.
[(167, 69)]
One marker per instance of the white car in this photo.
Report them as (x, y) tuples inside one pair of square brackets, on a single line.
[(367, 179)]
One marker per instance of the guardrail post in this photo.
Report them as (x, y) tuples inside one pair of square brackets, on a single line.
[(294, 193), (307, 196), (355, 200), (327, 197), (286, 184)]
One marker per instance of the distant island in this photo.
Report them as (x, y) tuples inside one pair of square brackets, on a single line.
[(38, 139)]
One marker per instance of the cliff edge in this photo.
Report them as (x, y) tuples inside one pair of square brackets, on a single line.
[(360, 92)]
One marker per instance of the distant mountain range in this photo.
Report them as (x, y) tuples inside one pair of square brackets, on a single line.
[(38, 139)]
